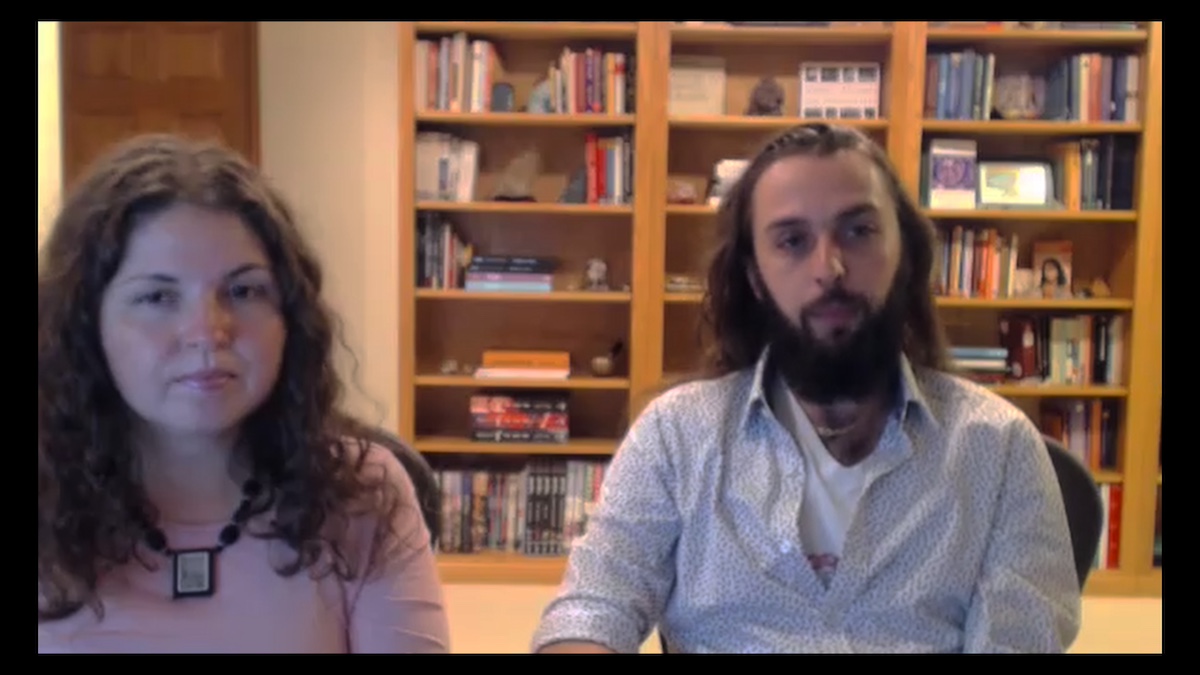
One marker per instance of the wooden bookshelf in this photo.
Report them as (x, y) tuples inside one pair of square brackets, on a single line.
[(646, 240)]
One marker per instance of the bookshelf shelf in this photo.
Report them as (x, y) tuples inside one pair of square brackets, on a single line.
[(1037, 304), (500, 568), (1030, 38), (526, 208), (780, 35), (590, 297), (466, 381), (1028, 128), (455, 445), (1026, 304), (525, 119), (647, 240), (761, 124), (552, 31), (1040, 215), (1059, 391)]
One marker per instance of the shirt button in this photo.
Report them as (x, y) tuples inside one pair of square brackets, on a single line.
[(785, 547)]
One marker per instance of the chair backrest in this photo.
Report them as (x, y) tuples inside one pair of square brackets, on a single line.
[(1085, 508), (423, 478)]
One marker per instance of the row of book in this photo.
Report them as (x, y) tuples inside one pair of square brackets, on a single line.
[(1095, 173), (520, 416), (1088, 429), (1081, 350), (456, 73), (1088, 87), (447, 170), (539, 510)]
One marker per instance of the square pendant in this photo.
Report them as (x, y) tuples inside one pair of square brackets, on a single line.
[(193, 573)]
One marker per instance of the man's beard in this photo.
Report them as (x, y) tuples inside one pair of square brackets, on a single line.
[(847, 367)]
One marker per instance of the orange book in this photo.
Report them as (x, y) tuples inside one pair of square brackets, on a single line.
[(522, 359)]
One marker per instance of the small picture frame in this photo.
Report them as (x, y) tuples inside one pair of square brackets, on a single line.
[(1015, 185), (193, 573)]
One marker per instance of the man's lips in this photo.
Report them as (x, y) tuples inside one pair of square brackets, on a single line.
[(834, 311)]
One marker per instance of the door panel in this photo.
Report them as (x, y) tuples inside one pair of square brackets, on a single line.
[(198, 78)]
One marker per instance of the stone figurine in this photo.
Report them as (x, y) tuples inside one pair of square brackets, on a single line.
[(766, 100), (516, 183)]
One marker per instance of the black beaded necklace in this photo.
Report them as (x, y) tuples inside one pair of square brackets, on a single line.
[(193, 569)]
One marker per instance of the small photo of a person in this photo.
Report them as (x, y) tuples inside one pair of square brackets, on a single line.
[(1054, 282)]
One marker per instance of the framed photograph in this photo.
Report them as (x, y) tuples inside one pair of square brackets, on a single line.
[(193, 573), (1016, 185)]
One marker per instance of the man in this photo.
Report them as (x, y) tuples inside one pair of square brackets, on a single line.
[(829, 486)]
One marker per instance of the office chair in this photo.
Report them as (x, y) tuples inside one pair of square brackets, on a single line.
[(1085, 510), (423, 478)]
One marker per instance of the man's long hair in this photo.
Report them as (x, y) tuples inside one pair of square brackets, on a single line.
[(735, 323)]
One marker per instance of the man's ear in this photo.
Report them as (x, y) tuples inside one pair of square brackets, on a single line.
[(755, 280)]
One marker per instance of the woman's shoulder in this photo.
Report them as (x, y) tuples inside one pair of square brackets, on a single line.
[(381, 456), (403, 490)]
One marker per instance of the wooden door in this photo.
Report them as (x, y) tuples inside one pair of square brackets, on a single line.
[(122, 78)]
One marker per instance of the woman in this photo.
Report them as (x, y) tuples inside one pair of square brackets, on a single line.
[(198, 488)]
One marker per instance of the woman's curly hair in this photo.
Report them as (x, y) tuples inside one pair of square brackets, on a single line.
[(90, 499)]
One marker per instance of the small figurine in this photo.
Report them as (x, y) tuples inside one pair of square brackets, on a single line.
[(605, 364), (680, 192), (541, 99), (449, 367), (595, 276), (766, 100)]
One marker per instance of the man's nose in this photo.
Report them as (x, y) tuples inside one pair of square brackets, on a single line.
[(827, 261)]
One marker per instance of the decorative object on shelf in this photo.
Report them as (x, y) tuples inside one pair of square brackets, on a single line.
[(1099, 289), (766, 99), (595, 275), (725, 175), (504, 99), (516, 183), (681, 192), (682, 283), (605, 365), (449, 367), (1019, 96), (575, 191), (1021, 185), (541, 98), (840, 90)]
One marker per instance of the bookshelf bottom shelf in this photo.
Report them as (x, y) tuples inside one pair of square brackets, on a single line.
[(501, 568)]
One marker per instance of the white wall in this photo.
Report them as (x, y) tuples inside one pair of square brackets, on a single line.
[(49, 127), (328, 111)]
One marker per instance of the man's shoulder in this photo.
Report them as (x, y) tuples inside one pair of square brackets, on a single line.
[(957, 401), (705, 401)]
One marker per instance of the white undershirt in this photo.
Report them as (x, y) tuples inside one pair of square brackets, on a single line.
[(831, 491)]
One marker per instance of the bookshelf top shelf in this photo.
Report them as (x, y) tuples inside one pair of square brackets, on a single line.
[(1030, 37), (763, 35), (531, 30)]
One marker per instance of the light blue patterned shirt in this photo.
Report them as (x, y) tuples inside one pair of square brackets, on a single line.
[(960, 542)]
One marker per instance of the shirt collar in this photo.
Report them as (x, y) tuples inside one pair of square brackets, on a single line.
[(911, 396)]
